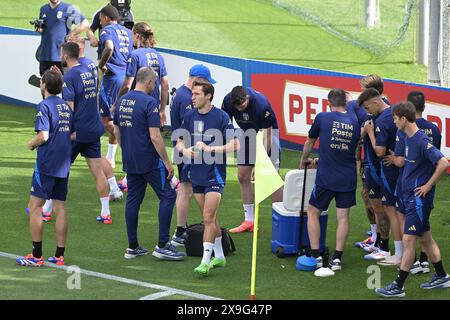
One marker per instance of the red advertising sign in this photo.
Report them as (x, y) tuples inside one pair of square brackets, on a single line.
[(297, 99)]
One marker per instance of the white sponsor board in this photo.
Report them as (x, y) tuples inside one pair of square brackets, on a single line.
[(439, 114), (18, 62)]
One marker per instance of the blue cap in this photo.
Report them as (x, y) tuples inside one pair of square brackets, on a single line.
[(202, 71)]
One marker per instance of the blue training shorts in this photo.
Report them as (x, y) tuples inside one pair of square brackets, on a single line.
[(388, 184), (372, 174), (246, 155), (321, 198), (399, 203), (183, 172), (205, 189), (91, 150), (109, 91), (48, 187), (417, 214)]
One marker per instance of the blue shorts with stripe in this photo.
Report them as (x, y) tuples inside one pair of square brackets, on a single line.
[(321, 198), (372, 174), (417, 214), (389, 177), (109, 91), (183, 172), (399, 203), (48, 187)]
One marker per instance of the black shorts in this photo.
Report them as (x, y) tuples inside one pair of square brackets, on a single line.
[(46, 65), (90, 150)]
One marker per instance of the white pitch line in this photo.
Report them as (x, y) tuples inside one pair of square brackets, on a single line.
[(124, 280), (158, 295)]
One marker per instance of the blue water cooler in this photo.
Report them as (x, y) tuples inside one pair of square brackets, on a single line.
[(286, 230)]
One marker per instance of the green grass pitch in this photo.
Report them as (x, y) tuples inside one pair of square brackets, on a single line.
[(96, 247)]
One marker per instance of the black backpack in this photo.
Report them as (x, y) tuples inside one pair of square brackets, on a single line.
[(194, 241)]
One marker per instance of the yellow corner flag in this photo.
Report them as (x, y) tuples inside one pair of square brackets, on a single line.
[(267, 181)]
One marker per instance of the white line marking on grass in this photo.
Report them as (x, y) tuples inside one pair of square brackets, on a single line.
[(125, 280), (158, 295)]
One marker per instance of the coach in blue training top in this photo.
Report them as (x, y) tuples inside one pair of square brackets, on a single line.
[(50, 179), (339, 133), (424, 165), (58, 19), (145, 160), (252, 112)]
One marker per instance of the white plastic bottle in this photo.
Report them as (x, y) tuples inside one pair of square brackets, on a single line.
[(175, 183)]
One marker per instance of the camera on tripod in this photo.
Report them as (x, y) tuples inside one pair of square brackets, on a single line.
[(124, 8), (38, 23)]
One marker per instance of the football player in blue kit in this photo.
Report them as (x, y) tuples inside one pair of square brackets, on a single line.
[(338, 132), (382, 133), (145, 160), (114, 191), (146, 56), (209, 135), (252, 112), (117, 43), (366, 170), (180, 105), (80, 93), (417, 98), (424, 165), (53, 126)]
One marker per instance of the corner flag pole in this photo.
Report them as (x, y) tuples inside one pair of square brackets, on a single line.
[(267, 181), (254, 251)]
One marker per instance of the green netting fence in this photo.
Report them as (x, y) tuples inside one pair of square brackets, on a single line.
[(346, 20)]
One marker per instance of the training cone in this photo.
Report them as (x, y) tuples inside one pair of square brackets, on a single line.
[(305, 263), (324, 272)]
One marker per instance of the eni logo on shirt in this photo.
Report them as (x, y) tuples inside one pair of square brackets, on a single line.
[(341, 135), (125, 112)]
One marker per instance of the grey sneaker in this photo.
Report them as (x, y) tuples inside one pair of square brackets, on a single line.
[(319, 262), (392, 290), (179, 241), (418, 267), (437, 282), (425, 267), (335, 265), (133, 253), (168, 252)]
